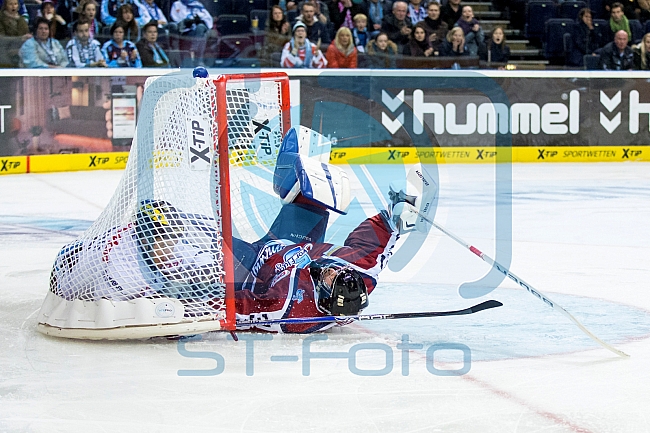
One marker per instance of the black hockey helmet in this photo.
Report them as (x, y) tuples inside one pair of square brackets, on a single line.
[(346, 295), (158, 218)]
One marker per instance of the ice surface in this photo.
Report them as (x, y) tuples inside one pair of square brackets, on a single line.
[(580, 234)]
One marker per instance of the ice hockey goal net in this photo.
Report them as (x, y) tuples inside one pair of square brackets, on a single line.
[(201, 165)]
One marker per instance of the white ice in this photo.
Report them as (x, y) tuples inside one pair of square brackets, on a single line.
[(579, 234)]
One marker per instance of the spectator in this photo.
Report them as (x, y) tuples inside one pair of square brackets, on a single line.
[(276, 35), (11, 22), (67, 9), (435, 26), (299, 52), (586, 38), (125, 14), (454, 45), (87, 10), (618, 21), (110, 11), (58, 26), (360, 33), (397, 26), (14, 26), (151, 54), (616, 55), (496, 51), (377, 10), (193, 21), (286, 5), (451, 12), (381, 53), (419, 45), (42, 51), (474, 36), (316, 31), (342, 53), (416, 12), (277, 23), (342, 13), (22, 9), (153, 12), (628, 7), (321, 14), (120, 52), (82, 50), (642, 53)]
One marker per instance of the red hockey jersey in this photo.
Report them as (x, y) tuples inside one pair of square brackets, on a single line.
[(280, 285)]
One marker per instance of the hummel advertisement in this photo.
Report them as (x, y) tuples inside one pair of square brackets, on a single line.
[(51, 115), (452, 111)]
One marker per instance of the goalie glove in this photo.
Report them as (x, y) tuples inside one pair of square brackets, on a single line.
[(411, 203)]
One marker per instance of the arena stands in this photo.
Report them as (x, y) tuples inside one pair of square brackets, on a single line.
[(541, 34)]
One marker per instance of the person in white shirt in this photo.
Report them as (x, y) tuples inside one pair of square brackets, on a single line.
[(193, 21)]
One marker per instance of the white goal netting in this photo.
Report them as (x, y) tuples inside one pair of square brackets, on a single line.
[(156, 260)]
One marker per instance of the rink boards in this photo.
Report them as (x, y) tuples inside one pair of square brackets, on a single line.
[(355, 156)]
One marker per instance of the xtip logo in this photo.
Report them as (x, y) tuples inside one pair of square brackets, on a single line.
[(631, 153), (635, 110), (7, 165), (96, 161), (485, 154), (553, 118), (544, 154), (199, 138)]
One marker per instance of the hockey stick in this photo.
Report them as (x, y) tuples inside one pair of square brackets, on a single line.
[(346, 319), (530, 289)]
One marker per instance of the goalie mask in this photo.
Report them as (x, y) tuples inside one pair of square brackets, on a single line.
[(157, 218), (340, 290)]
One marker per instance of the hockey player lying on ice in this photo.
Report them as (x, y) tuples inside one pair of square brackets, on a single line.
[(291, 272)]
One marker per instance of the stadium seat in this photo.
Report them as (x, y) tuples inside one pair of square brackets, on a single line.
[(569, 9), (637, 31), (262, 15), (276, 59), (556, 28), (591, 62), (232, 25), (240, 46), (602, 24), (262, 4), (538, 12), (218, 7), (32, 11), (597, 9)]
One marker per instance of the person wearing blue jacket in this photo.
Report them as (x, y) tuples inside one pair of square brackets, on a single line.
[(118, 52)]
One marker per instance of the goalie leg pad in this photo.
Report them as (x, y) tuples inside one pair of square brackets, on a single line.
[(308, 142), (320, 182)]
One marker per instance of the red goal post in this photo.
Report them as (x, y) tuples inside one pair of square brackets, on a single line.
[(223, 142)]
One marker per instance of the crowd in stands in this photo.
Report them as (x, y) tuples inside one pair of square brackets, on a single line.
[(375, 33), (294, 34), (113, 34)]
